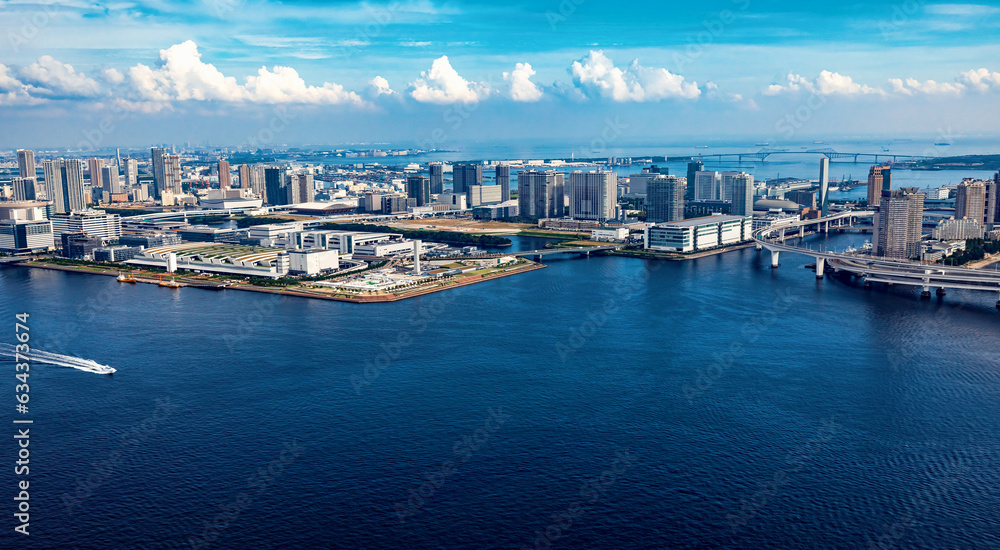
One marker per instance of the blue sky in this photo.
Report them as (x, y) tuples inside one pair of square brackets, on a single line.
[(422, 72)]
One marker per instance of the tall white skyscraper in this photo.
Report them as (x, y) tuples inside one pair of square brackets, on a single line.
[(706, 185), (727, 185), (130, 171), (592, 195), (111, 180), (157, 159), (743, 191)]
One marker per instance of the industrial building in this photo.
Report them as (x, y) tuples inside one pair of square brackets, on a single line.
[(699, 233)]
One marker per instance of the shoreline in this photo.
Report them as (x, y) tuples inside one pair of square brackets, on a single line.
[(301, 292)]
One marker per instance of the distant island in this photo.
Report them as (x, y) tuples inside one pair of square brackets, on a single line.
[(967, 162)]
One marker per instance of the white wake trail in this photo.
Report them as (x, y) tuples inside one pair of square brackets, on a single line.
[(39, 356)]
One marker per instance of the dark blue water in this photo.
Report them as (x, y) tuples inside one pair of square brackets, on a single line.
[(607, 402)]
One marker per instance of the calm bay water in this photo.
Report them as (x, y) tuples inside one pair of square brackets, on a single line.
[(610, 402)]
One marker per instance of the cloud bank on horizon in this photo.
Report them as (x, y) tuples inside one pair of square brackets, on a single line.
[(574, 56)]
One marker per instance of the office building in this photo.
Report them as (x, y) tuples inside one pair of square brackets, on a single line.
[(824, 185), (503, 180), (742, 194), (149, 239), (637, 183), (64, 184), (592, 195), (805, 199), (26, 163), (130, 172), (80, 246), (506, 209), (95, 167), (541, 194), (419, 188), (437, 178), (879, 180), (115, 253), (24, 189), (26, 236), (692, 170), (158, 161), (698, 234), (970, 201), (93, 223), (225, 178), (727, 185), (899, 224), (665, 199), (274, 187), (466, 175), (244, 176), (172, 174), (480, 195), (706, 185)]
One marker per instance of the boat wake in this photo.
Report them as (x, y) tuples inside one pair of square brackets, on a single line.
[(39, 356)]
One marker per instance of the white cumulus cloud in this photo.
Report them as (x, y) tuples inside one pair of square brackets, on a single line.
[(521, 86), (442, 84), (50, 77), (827, 83), (982, 80), (930, 87), (596, 74), (381, 86)]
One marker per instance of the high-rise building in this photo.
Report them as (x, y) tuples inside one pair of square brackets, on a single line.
[(24, 189), (64, 184), (225, 179), (130, 171), (879, 179), (970, 201), (899, 224), (592, 195), (742, 193), (274, 187), (992, 201), (244, 175), (157, 160), (94, 166), (437, 178), (503, 180), (26, 163), (300, 188), (172, 174), (693, 169), (540, 194), (727, 186), (419, 188), (109, 178), (824, 184), (481, 195), (665, 199), (464, 175), (706, 185), (637, 182)]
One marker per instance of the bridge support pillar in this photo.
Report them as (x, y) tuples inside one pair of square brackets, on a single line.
[(820, 264), (774, 259), (868, 284), (998, 304), (759, 247), (802, 231), (926, 293), (941, 291)]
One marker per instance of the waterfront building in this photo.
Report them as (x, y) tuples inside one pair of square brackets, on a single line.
[(19, 236), (419, 188), (64, 184), (437, 177), (665, 198), (824, 185), (80, 246), (26, 163), (541, 194), (879, 180), (479, 195), (502, 175), (506, 209), (970, 201), (466, 175), (592, 195), (706, 185), (742, 189), (221, 258), (899, 224), (957, 229), (149, 239), (115, 253), (92, 223), (805, 199), (698, 234)]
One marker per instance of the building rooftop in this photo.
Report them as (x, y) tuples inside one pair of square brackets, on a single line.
[(703, 220)]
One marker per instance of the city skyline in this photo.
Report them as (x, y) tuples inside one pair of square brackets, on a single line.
[(426, 74)]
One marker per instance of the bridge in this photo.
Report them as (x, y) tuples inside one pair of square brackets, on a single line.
[(829, 153), (873, 269), (583, 252)]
